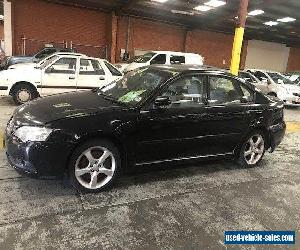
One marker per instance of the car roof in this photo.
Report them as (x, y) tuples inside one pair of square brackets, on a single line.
[(173, 52), (183, 68)]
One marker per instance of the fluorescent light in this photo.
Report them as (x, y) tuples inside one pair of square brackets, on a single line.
[(271, 23), (215, 3), (286, 19), (203, 8), (160, 1), (255, 12)]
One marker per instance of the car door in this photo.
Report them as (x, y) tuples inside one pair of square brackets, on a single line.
[(91, 74), (228, 113), (177, 130), (60, 76)]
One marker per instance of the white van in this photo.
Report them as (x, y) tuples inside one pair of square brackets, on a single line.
[(160, 57)]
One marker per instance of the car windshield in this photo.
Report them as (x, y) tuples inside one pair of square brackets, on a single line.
[(136, 85), (48, 61), (277, 78), (142, 59)]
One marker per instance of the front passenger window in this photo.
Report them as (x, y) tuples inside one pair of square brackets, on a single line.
[(159, 59), (186, 92), (224, 90)]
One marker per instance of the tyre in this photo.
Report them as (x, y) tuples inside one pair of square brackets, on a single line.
[(94, 166), (23, 93), (252, 150)]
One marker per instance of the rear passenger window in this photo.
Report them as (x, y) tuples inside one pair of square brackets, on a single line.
[(90, 67), (224, 90), (177, 60)]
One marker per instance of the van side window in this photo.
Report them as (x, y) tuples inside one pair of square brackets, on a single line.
[(177, 60), (159, 59)]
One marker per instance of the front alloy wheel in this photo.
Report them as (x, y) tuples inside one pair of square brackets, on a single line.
[(94, 166)]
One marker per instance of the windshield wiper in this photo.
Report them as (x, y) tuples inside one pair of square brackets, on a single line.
[(110, 98)]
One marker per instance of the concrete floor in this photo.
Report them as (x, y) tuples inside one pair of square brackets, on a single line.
[(172, 207)]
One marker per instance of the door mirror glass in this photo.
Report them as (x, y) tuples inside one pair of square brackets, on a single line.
[(162, 101)]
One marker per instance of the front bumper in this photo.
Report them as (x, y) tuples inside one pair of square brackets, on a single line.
[(276, 133), (38, 159)]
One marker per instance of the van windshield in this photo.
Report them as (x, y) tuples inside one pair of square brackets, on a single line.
[(142, 59)]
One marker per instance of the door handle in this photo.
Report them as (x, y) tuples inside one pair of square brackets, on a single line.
[(101, 78), (72, 77)]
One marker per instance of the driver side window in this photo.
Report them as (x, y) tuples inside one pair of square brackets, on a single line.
[(186, 92), (63, 66)]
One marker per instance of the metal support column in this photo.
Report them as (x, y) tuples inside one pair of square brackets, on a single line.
[(238, 37)]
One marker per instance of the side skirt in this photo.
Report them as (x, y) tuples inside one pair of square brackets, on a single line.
[(184, 159)]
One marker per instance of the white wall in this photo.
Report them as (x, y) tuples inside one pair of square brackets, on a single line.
[(267, 55), (7, 28)]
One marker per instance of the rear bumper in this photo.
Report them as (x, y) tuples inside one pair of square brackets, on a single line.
[(276, 133)]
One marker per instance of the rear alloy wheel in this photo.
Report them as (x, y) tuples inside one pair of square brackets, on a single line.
[(94, 166), (252, 150)]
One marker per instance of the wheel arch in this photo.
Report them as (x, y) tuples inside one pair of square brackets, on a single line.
[(101, 136), (265, 133), (14, 86), (272, 93)]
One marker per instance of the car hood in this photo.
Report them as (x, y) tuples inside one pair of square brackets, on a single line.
[(23, 65), (63, 106), (133, 66)]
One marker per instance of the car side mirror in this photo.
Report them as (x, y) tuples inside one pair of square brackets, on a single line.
[(162, 101), (49, 70)]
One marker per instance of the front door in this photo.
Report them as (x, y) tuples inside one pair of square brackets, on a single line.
[(60, 76), (175, 131), (91, 74)]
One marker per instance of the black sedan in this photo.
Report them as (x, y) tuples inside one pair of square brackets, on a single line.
[(152, 115)]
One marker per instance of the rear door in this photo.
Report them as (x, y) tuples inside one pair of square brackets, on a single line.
[(228, 112), (60, 76), (91, 74)]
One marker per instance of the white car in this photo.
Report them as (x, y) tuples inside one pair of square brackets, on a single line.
[(160, 57), (275, 84), (58, 73)]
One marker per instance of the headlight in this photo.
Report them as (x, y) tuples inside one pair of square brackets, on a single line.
[(27, 133)]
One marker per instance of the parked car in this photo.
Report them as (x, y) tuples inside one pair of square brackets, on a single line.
[(293, 76), (160, 57), (152, 115), (60, 72), (11, 60), (276, 84)]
